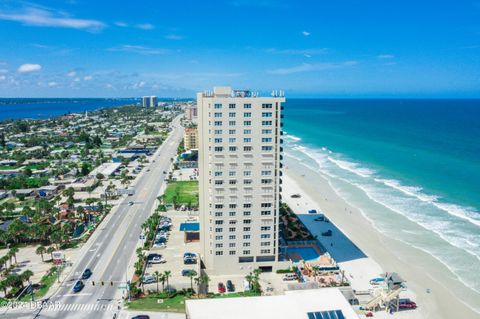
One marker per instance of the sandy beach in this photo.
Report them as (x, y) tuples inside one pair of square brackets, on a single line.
[(374, 252)]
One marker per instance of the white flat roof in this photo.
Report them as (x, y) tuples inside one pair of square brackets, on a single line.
[(106, 169), (292, 305)]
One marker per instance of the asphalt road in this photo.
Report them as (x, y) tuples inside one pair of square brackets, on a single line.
[(112, 249)]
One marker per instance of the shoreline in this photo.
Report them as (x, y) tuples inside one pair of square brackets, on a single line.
[(410, 263)]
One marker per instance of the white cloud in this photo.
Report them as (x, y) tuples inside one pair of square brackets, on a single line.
[(385, 56), (26, 68), (307, 67), (139, 49), (52, 84), (145, 26), (121, 24), (76, 80), (306, 33), (48, 18), (305, 52), (71, 74), (88, 78), (3, 77), (173, 37)]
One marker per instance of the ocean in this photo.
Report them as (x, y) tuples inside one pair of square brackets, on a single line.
[(411, 166), (41, 108)]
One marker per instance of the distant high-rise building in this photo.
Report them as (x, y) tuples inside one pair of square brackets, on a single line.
[(239, 167), (191, 112), (190, 138), (149, 101)]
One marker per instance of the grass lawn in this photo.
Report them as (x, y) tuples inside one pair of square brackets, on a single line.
[(182, 193), (151, 303), (45, 283)]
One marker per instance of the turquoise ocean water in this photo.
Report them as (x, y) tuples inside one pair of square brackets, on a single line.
[(411, 166)]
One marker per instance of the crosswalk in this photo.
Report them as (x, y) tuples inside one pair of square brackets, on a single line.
[(87, 307)]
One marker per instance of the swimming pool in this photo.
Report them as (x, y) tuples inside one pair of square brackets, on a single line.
[(307, 253)]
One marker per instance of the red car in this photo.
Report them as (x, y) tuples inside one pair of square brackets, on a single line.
[(407, 304), (369, 314), (221, 287)]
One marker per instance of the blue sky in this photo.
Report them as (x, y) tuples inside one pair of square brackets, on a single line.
[(309, 48)]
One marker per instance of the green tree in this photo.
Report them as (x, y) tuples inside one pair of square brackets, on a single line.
[(50, 251), (40, 251), (167, 274)]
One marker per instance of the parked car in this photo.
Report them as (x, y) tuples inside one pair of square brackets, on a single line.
[(157, 260), (186, 272), (230, 286), (407, 304), (296, 196), (190, 261), (221, 287), (141, 317), (159, 245), (130, 203), (289, 277), (153, 255), (86, 273), (78, 286), (189, 255), (319, 219), (312, 211), (148, 279)]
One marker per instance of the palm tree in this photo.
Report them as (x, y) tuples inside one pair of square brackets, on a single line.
[(190, 275), (40, 251), (26, 275), (4, 286), (249, 279), (167, 274), (50, 251), (157, 275), (162, 280)]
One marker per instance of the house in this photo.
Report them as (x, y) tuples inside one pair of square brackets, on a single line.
[(47, 191)]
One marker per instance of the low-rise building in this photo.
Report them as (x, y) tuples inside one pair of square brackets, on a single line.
[(297, 304)]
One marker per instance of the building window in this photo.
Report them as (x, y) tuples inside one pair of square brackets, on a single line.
[(265, 243), (247, 205), (247, 123), (247, 221), (217, 114), (267, 131), (247, 131), (266, 173), (231, 245), (218, 123), (218, 140), (247, 140), (247, 182), (232, 229), (232, 140), (217, 132), (246, 236), (232, 114), (231, 132), (247, 148), (266, 114), (264, 236), (232, 206), (266, 123), (246, 252), (218, 149), (218, 230), (231, 214), (219, 253), (266, 106), (219, 245), (246, 228), (218, 214), (265, 251), (232, 123), (218, 237), (247, 213), (266, 139), (218, 106), (267, 148), (217, 174), (247, 114), (247, 106), (231, 106), (266, 212), (232, 222), (232, 182), (232, 148), (246, 244), (219, 222), (265, 228), (232, 237), (218, 206), (218, 182), (232, 252), (247, 173)]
